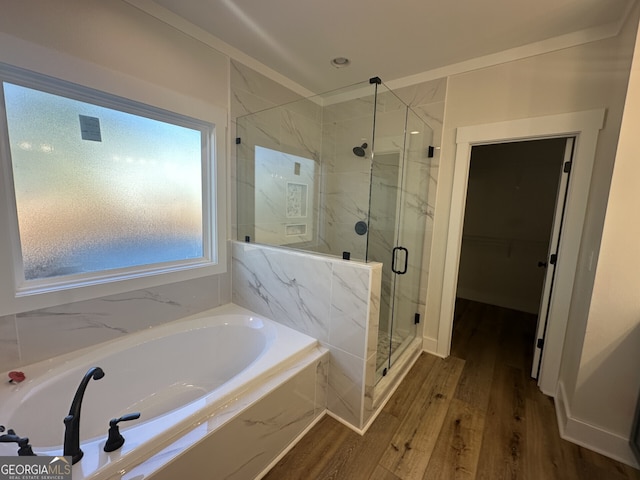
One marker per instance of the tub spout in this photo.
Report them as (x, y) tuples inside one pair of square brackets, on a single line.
[(72, 421)]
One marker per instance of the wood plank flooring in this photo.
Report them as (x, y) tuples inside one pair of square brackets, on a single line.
[(475, 415)]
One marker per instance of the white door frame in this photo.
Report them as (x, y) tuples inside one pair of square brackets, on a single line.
[(585, 127)]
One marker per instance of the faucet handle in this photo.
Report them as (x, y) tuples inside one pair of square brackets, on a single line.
[(23, 442), (125, 418), (115, 439), (9, 437)]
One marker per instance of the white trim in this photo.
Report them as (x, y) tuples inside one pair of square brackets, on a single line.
[(584, 126), (10, 302), (553, 44), (537, 48), (590, 436), (430, 345)]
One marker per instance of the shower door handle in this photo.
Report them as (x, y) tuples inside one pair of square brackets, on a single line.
[(394, 257)]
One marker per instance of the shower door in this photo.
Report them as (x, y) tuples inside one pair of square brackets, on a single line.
[(398, 213)]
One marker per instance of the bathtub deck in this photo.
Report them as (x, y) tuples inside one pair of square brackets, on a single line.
[(475, 415)]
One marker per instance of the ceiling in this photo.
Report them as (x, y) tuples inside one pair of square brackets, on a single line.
[(390, 39)]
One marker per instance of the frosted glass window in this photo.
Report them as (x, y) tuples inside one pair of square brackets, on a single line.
[(99, 189)]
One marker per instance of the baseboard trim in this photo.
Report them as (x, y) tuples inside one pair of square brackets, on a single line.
[(500, 301), (589, 436), (430, 345)]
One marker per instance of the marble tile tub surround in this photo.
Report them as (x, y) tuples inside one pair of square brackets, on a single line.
[(333, 300), (246, 436), (29, 337)]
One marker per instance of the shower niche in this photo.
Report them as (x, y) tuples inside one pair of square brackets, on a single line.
[(345, 174)]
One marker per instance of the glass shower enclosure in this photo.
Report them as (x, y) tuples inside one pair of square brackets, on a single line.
[(345, 173)]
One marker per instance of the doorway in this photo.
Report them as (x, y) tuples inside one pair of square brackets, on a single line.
[(584, 126), (513, 214)]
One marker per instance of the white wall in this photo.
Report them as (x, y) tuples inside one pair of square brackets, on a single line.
[(120, 42), (603, 393), (586, 77)]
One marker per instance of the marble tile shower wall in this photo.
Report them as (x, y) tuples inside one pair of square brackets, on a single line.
[(293, 129), (37, 335), (344, 183), (333, 300), (346, 177), (348, 123), (252, 92), (344, 204)]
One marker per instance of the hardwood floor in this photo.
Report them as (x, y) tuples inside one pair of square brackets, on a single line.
[(475, 415)]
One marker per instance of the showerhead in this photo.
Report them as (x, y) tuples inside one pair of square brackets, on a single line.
[(359, 151)]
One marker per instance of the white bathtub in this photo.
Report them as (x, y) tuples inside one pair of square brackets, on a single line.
[(177, 376)]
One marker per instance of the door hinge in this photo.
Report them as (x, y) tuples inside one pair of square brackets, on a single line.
[(540, 343), (238, 140), (553, 259), (567, 167), (416, 319)]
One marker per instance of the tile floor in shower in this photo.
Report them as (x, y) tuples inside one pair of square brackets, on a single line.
[(385, 345)]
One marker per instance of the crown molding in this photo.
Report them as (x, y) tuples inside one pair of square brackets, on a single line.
[(549, 45), (175, 21)]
